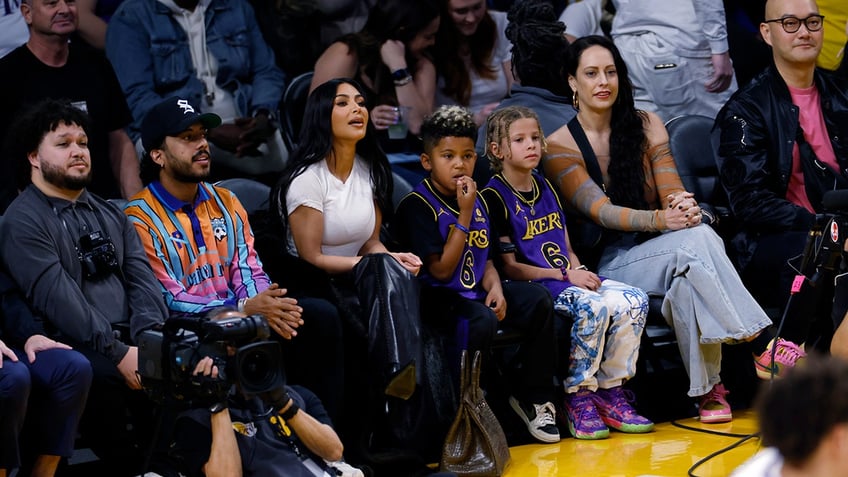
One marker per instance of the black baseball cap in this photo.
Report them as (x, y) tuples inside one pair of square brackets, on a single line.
[(171, 117)]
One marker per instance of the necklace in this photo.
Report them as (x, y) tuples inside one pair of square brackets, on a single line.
[(530, 202)]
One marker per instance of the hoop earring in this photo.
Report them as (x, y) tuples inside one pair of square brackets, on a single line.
[(575, 101)]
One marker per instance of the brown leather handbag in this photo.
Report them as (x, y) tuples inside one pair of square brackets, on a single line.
[(475, 445)]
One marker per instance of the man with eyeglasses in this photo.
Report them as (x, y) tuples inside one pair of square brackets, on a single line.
[(773, 138), (200, 245)]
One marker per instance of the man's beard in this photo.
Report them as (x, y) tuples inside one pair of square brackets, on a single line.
[(183, 172), (58, 177)]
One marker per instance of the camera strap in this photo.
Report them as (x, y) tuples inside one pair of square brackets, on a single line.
[(101, 223)]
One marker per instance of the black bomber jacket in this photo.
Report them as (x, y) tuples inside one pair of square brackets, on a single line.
[(754, 135)]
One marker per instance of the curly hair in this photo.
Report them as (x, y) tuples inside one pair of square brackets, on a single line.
[(797, 412), (539, 47), (497, 130), (627, 135), (29, 130), (447, 121)]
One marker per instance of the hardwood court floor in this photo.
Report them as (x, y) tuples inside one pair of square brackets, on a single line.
[(668, 451)]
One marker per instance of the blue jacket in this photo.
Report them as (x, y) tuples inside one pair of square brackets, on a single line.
[(150, 53)]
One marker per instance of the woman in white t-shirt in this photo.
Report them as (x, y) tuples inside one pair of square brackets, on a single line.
[(473, 59), (333, 196)]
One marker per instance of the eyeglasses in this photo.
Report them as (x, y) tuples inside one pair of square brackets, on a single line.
[(793, 24)]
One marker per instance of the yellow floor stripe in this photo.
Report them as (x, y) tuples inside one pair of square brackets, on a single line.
[(668, 451)]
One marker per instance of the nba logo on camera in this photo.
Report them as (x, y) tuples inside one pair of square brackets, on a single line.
[(834, 231)]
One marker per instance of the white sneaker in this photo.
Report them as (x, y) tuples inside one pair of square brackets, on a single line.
[(343, 469), (539, 418)]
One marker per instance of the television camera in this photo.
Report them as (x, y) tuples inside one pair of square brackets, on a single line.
[(239, 346)]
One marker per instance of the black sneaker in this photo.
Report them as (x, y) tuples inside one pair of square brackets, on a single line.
[(539, 418)]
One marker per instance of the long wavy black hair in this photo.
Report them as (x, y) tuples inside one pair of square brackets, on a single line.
[(539, 47), (627, 135), (316, 142), (389, 20)]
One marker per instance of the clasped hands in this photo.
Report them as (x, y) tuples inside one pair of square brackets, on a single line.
[(282, 312), (683, 211)]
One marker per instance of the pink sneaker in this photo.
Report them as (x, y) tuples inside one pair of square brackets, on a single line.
[(714, 408), (786, 356)]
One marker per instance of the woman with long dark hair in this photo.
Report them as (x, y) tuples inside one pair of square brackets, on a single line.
[(653, 233), (332, 197), (472, 57), (390, 58)]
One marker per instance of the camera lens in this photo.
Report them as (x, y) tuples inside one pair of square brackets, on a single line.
[(259, 366)]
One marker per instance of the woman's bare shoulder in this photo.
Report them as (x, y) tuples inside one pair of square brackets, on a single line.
[(561, 139), (655, 131)]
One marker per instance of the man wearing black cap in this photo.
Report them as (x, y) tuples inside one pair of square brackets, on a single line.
[(200, 246), (81, 267)]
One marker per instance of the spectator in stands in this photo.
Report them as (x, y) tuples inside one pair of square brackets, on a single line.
[(607, 316), (390, 58), (173, 48), (472, 57), (54, 68), (789, 117), (445, 221), (677, 55), (43, 380), (333, 198), (803, 421), (286, 433), (836, 25), (94, 17), (588, 17), (653, 233), (80, 264), (201, 248), (13, 28), (538, 61)]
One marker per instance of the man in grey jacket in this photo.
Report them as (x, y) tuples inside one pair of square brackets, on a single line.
[(80, 265)]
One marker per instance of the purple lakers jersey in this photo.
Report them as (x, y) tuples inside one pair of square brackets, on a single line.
[(467, 278)]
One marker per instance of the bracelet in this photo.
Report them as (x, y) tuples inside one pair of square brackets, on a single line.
[(403, 81), (581, 267), (241, 303), (290, 412), (461, 228)]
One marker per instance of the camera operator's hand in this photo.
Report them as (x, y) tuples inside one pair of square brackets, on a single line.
[(206, 367), (282, 312), (129, 368), (278, 398)]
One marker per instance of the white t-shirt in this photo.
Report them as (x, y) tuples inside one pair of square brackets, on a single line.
[(347, 207), (582, 18), (13, 28), (483, 90), (765, 463)]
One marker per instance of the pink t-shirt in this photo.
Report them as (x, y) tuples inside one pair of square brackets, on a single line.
[(815, 132)]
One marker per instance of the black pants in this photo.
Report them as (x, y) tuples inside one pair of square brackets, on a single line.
[(769, 277), (472, 325), (118, 423), (314, 358)]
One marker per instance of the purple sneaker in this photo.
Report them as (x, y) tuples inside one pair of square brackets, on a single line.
[(583, 419), (614, 407)]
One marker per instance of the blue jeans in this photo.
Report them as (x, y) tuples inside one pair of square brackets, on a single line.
[(705, 301)]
